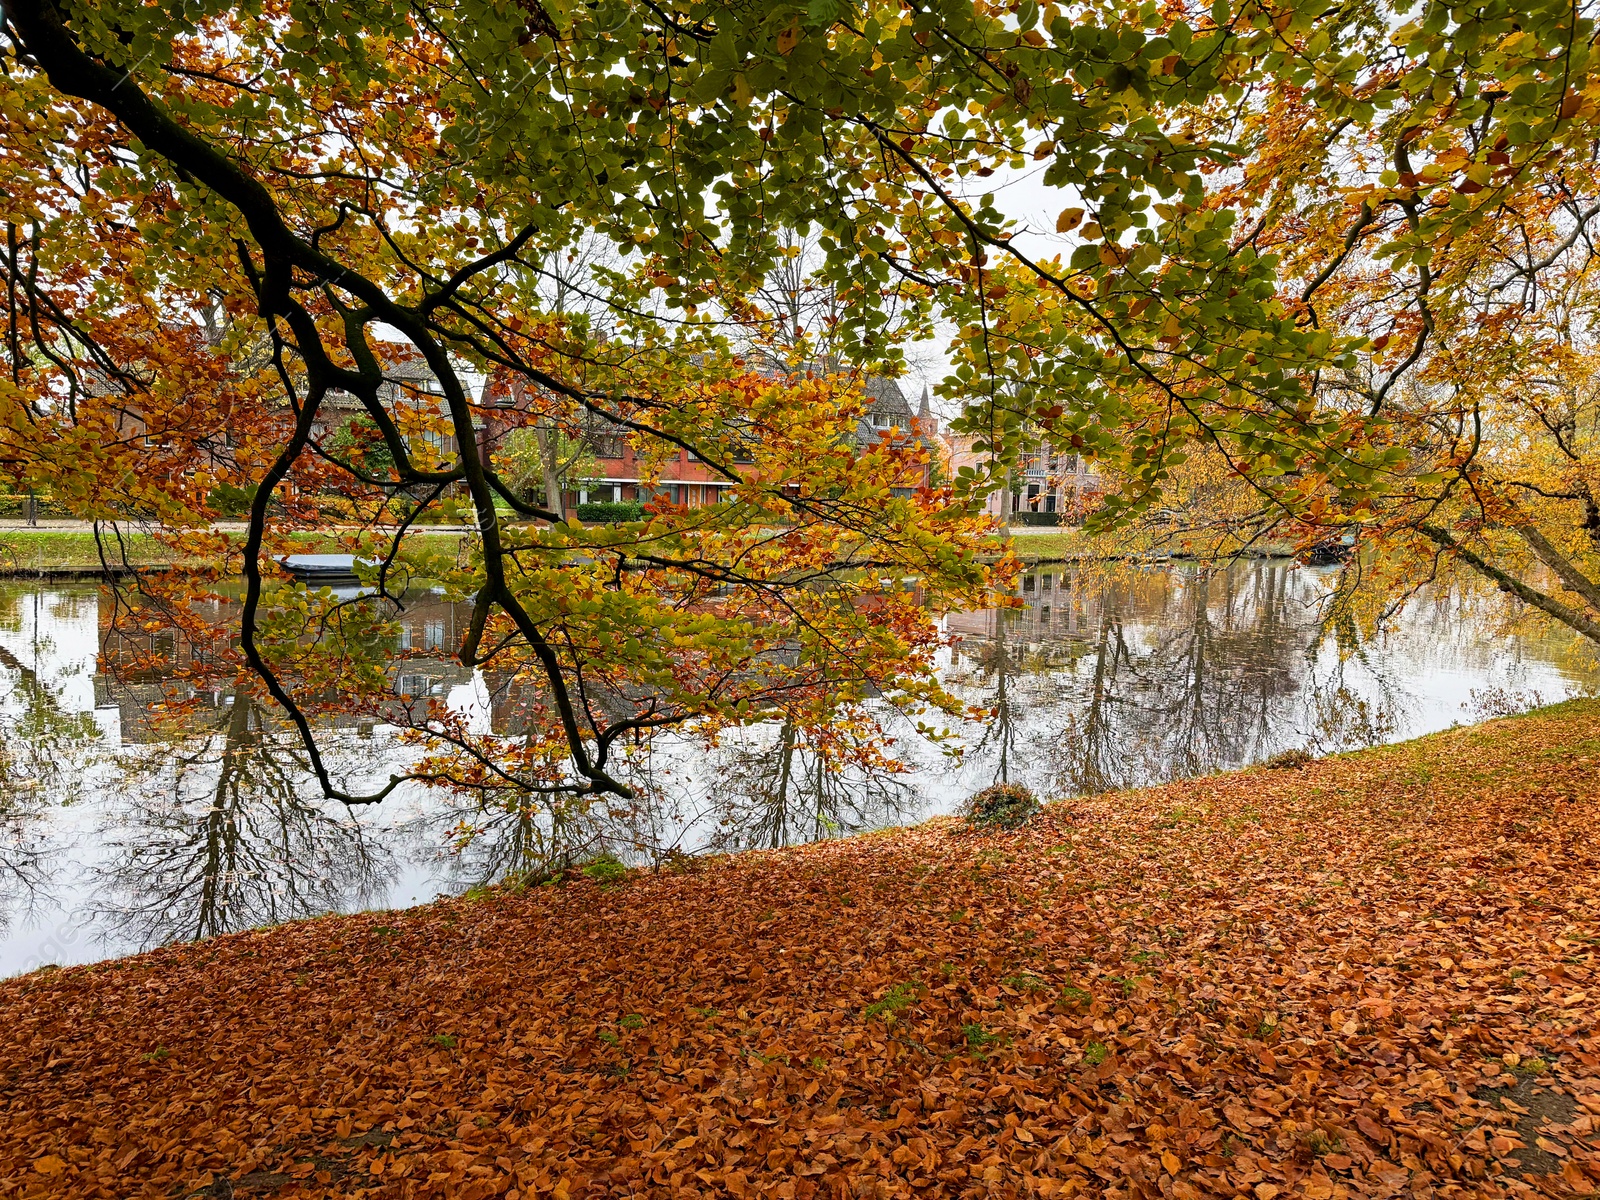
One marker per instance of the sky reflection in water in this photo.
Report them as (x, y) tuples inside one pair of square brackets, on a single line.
[(121, 830)]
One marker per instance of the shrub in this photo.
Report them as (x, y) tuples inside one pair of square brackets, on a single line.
[(1002, 806), (47, 508), (1289, 760), (607, 512), (605, 870)]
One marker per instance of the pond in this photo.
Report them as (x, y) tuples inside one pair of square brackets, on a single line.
[(124, 826)]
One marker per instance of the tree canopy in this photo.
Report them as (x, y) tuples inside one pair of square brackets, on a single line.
[(1325, 246)]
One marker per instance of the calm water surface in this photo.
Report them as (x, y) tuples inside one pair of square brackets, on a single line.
[(124, 826)]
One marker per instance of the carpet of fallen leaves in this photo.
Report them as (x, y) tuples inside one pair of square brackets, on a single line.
[(1374, 975)]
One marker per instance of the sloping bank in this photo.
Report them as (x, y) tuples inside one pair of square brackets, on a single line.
[(1371, 976)]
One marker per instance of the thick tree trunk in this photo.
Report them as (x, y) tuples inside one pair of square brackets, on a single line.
[(1568, 616), (548, 445), (1565, 569)]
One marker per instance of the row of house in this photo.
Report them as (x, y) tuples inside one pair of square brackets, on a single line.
[(1046, 483), (617, 473), (685, 480)]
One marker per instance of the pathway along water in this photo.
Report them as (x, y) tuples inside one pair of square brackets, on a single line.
[(123, 827)]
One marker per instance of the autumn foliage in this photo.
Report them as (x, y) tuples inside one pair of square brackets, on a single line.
[(1337, 260), (1369, 976)]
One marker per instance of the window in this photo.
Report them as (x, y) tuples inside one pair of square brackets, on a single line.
[(433, 635)]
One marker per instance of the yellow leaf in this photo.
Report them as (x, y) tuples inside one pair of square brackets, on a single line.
[(789, 38), (1169, 1160), (1068, 220), (741, 90), (49, 1165)]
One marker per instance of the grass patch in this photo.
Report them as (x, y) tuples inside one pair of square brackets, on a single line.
[(893, 1002)]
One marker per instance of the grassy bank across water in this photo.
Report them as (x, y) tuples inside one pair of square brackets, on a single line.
[(73, 551), (42, 551), (1072, 544), (47, 551), (1371, 975)]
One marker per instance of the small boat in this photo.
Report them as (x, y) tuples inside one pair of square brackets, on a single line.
[(1330, 551), (321, 570)]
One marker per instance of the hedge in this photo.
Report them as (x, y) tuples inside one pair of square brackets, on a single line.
[(606, 512)]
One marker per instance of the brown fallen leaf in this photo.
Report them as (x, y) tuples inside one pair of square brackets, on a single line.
[(1113, 972)]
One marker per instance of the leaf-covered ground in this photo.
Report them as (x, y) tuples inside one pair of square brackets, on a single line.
[(1375, 975)]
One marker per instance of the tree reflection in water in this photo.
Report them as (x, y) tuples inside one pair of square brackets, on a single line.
[(503, 837), (789, 791), (213, 836), (47, 751), (1103, 679), (1119, 677), (766, 786)]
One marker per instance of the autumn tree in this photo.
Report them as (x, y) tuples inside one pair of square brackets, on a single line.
[(1419, 182), (1445, 225), (366, 201)]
